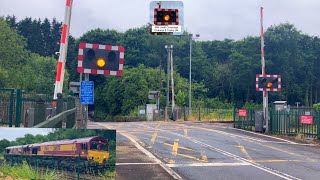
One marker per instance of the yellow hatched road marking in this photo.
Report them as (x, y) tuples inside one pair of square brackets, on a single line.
[(154, 136), (278, 149), (204, 157), (191, 157), (185, 132), (106, 126), (175, 147), (171, 161), (180, 147), (244, 151), (158, 125)]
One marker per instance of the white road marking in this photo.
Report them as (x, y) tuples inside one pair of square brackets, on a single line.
[(208, 164), (151, 156), (233, 156), (122, 164)]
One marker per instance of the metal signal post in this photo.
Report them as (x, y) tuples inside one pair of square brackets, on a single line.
[(169, 50), (265, 93), (190, 95)]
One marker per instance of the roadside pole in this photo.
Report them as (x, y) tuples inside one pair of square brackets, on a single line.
[(80, 122), (172, 79), (86, 106), (190, 99), (168, 83), (265, 93)]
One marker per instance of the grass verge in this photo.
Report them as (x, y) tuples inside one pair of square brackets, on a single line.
[(25, 171)]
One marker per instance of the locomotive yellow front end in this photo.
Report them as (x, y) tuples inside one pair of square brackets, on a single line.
[(98, 151), (99, 157)]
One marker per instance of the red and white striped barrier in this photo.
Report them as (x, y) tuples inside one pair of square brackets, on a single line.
[(63, 49)]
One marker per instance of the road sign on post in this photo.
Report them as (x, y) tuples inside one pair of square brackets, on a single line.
[(154, 94), (87, 92)]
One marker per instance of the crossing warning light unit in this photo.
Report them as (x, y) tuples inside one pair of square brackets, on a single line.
[(166, 16), (268, 83), (100, 59)]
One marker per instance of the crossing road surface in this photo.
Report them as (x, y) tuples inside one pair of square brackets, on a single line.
[(186, 150)]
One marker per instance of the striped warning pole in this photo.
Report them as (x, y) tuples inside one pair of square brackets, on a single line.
[(63, 50), (265, 93)]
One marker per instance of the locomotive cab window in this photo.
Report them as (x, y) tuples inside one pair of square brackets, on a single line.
[(34, 150), (84, 146), (8, 151), (93, 146), (104, 147)]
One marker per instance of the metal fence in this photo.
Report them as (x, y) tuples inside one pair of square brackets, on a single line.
[(244, 122), (200, 114), (7, 107), (289, 123), (283, 122), (20, 109)]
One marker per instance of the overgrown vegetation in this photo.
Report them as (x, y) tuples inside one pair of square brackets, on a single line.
[(20, 68), (25, 171)]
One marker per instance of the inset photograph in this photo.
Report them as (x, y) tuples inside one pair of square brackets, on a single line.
[(34, 153)]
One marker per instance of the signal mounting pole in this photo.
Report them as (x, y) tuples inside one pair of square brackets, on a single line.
[(265, 93), (172, 79)]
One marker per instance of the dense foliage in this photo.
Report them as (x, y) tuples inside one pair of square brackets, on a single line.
[(223, 72), (20, 68)]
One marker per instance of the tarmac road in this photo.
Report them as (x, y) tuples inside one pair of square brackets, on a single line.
[(186, 150)]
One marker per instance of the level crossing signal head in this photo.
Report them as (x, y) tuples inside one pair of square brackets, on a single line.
[(268, 83), (166, 16), (100, 59)]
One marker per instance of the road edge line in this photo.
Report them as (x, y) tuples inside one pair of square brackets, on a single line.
[(150, 155), (266, 135)]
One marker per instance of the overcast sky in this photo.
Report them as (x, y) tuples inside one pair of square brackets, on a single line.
[(13, 133), (213, 19)]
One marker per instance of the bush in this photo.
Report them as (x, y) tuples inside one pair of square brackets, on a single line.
[(216, 103), (250, 105), (317, 106)]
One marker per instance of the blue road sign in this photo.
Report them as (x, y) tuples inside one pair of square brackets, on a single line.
[(87, 92)]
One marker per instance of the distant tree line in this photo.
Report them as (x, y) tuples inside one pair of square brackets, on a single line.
[(223, 72)]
